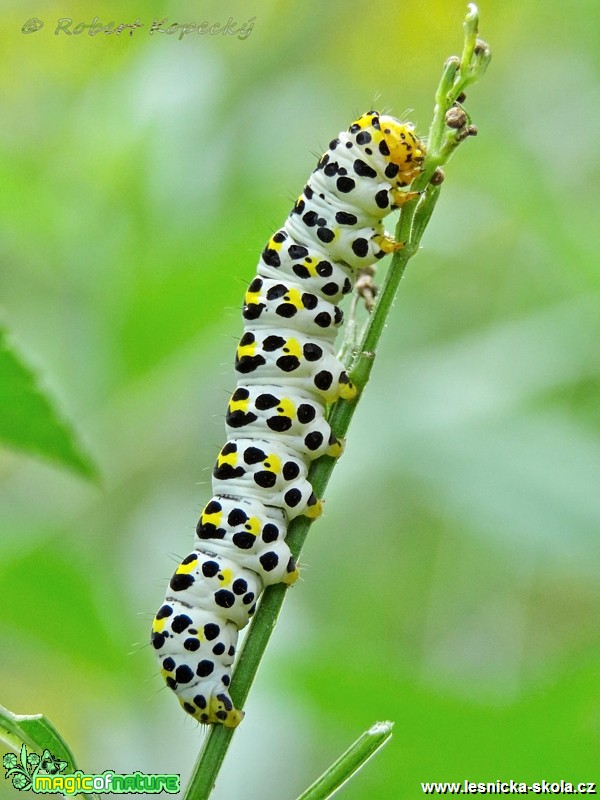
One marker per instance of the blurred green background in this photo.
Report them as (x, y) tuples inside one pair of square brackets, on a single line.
[(452, 585)]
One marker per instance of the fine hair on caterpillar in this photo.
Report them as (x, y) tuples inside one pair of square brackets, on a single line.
[(287, 372)]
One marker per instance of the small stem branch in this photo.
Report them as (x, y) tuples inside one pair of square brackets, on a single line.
[(414, 217), (436, 130), (348, 764)]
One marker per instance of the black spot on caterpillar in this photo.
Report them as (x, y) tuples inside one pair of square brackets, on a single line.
[(287, 372)]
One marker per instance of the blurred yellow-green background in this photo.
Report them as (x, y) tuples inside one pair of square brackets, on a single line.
[(452, 585)]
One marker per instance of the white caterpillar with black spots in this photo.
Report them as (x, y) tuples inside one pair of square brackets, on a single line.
[(287, 373)]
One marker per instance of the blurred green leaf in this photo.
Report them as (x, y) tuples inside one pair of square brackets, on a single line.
[(29, 421), (62, 584)]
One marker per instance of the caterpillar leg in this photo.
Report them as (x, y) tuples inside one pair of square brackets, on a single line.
[(336, 447), (400, 197), (347, 390), (387, 243), (314, 508), (292, 575)]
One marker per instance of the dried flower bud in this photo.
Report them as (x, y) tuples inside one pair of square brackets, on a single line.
[(438, 177), (456, 118)]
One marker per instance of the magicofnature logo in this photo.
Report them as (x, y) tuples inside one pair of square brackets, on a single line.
[(45, 774)]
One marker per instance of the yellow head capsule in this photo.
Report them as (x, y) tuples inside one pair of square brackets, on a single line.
[(407, 151)]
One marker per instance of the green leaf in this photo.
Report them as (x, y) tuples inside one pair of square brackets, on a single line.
[(38, 735), (29, 420), (36, 732)]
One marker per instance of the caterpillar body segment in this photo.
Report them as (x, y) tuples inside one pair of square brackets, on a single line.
[(306, 266), (295, 417), (269, 303), (287, 371), (251, 534), (266, 471)]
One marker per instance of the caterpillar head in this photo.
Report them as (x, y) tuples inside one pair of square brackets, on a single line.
[(406, 149), (397, 142)]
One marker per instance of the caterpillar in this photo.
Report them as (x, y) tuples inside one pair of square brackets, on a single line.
[(275, 421)]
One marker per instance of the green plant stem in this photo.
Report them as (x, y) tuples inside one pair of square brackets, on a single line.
[(414, 217), (348, 764)]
